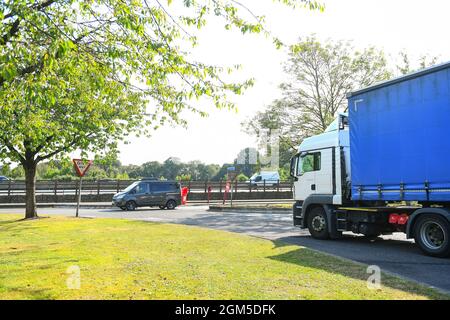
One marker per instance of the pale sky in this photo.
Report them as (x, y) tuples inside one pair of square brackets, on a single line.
[(419, 27)]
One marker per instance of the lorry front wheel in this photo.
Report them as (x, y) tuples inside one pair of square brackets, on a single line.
[(317, 223), (431, 233)]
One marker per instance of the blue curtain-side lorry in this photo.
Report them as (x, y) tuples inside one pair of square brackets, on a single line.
[(384, 166)]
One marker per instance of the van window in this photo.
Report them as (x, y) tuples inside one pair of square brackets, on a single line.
[(162, 187), (131, 187), (142, 188), (309, 162)]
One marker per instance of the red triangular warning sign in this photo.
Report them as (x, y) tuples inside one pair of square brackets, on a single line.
[(81, 166)]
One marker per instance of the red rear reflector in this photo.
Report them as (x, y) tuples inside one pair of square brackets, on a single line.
[(393, 218), (403, 219)]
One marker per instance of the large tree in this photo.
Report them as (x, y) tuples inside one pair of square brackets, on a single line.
[(81, 74), (319, 76), (406, 64)]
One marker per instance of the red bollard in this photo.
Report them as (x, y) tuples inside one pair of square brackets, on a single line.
[(184, 193)]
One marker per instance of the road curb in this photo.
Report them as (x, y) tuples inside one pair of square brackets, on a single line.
[(56, 205), (248, 209), (104, 205)]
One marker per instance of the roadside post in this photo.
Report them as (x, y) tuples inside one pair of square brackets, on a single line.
[(81, 167), (231, 172), (209, 193), (227, 189)]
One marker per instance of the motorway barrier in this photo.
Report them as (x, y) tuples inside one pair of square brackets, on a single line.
[(54, 191)]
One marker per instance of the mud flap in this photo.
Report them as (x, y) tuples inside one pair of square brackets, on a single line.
[(332, 222)]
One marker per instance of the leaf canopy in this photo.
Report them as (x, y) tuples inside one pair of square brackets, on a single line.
[(84, 74)]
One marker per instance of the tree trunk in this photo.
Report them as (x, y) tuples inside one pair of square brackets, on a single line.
[(30, 184)]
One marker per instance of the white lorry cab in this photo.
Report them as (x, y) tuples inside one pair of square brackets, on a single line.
[(319, 168)]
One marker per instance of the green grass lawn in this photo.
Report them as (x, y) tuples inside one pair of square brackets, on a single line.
[(121, 259)]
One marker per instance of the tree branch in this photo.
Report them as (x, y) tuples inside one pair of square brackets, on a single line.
[(13, 150), (36, 7), (61, 149)]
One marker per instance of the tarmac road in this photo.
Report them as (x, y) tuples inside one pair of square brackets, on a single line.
[(394, 253)]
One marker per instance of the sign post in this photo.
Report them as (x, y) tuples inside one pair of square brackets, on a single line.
[(231, 171), (81, 167)]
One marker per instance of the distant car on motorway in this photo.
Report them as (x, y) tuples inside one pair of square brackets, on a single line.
[(149, 193), (3, 178), (267, 178)]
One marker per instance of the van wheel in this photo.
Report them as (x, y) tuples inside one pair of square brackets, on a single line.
[(131, 206), (171, 204), (317, 223), (431, 233)]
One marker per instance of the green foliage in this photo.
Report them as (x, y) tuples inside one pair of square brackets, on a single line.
[(172, 169), (183, 177), (56, 170), (320, 75), (83, 74), (5, 170), (284, 173), (12, 173), (106, 169), (242, 177), (425, 61), (123, 176)]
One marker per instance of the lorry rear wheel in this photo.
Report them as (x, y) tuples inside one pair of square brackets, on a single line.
[(317, 223), (432, 233)]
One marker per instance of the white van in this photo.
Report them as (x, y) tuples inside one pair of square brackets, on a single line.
[(271, 178)]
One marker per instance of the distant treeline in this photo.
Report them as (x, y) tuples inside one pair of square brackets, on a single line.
[(104, 168)]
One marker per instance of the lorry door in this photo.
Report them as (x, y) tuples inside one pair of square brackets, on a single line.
[(324, 172), (308, 164)]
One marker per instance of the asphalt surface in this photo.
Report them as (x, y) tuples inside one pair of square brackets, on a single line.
[(394, 253)]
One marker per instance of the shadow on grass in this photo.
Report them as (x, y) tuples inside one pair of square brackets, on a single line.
[(21, 224), (316, 260), (17, 225), (33, 294), (8, 222)]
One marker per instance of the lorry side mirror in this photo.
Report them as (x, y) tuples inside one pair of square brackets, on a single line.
[(294, 161), (343, 122)]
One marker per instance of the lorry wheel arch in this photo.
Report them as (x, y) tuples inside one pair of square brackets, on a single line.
[(314, 200), (444, 212), (308, 210)]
